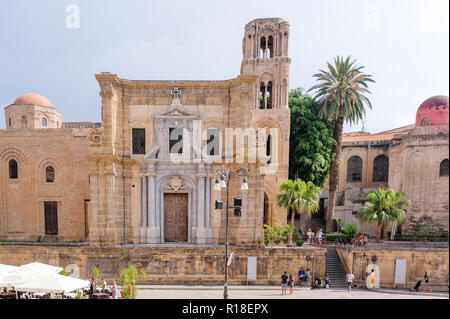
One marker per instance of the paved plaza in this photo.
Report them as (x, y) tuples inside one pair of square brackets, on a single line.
[(271, 292)]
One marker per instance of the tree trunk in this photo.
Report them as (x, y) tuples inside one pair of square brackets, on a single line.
[(334, 172), (291, 231), (379, 231)]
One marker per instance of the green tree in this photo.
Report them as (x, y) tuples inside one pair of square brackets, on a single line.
[(311, 140), (340, 95), (384, 207), (128, 281), (299, 196)]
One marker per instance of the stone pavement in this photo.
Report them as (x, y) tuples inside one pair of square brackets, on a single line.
[(272, 292)]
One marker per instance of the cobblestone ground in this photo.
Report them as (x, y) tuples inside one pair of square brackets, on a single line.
[(216, 292)]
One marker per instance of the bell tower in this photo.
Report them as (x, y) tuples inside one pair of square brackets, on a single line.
[(265, 54)]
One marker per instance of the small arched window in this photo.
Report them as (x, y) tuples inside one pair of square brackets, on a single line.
[(13, 169), (425, 122), (24, 121), (443, 168), (354, 170), (9, 122), (50, 174), (44, 121), (381, 169)]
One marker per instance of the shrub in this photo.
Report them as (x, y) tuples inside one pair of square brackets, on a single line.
[(299, 242), (277, 233), (339, 238), (349, 229)]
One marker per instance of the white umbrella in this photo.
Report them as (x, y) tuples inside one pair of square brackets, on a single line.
[(41, 268), (49, 283), (6, 268)]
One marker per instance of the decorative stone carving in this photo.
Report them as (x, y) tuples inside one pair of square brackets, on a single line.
[(176, 184), (95, 137)]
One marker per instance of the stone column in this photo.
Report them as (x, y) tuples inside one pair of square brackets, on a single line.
[(200, 220), (144, 209), (208, 231), (152, 229)]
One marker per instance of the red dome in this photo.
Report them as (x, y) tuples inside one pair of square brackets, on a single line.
[(434, 111), (32, 98)]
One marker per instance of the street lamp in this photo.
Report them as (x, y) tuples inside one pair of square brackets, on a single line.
[(225, 176)]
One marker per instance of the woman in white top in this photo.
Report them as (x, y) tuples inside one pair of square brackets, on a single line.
[(115, 291), (319, 236), (309, 234)]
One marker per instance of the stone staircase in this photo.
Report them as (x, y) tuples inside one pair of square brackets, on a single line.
[(334, 268)]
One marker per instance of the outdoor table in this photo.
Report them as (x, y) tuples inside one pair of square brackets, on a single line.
[(100, 295)]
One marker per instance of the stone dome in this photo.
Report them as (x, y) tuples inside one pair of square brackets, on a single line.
[(434, 111), (34, 99)]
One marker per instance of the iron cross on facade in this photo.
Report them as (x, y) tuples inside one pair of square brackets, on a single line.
[(176, 93)]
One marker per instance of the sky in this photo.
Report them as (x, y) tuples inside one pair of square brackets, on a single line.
[(55, 47)]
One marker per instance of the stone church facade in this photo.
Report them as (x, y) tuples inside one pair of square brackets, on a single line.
[(414, 159), (146, 173)]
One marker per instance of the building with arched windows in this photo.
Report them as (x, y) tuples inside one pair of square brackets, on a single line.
[(120, 181), (413, 159)]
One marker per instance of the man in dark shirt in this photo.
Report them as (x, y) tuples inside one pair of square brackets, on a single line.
[(284, 285), (427, 282), (301, 277)]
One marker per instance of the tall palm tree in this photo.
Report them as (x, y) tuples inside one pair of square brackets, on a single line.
[(300, 196), (384, 207), (340, 95)]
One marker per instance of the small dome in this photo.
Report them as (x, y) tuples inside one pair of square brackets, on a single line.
[(434, 111), (32, 98)]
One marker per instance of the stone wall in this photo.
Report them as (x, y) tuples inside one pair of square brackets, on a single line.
[(172, 265), (434, 261)]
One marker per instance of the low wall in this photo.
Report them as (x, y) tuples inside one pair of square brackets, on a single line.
[(172, 265), (434, 261)]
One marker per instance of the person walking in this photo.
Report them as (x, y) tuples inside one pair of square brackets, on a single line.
[(319, 237), (327, 281), (115, 291), (427, 282), (291, 284), (309, 234), (301, 277), (103, 285), (349, 279), (307, 278), (284, 283), (92, 288)]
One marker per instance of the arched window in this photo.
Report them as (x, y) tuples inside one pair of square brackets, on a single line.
[(270, 46), (269, 95), (262, 50), (262, 94), (9, 122), (269, 148), (44, 121), (443, 168), (381, 169), (13, 169), (354, 170), (24, 121), (425, 122), (50, 174)]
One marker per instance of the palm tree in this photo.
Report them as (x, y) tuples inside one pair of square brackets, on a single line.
[(384, 207), (299, 196), (340, 95)]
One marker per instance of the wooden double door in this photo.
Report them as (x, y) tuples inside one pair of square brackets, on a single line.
[(176, 217)]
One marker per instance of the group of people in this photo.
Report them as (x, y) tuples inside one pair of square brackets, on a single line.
[(312, 238), (360, 240), (304, 280), (114, 291)]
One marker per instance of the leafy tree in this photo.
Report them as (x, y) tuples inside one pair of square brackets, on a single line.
[(300, 196), (128, 280), (384, 207), (340, 94), (311, 140)]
